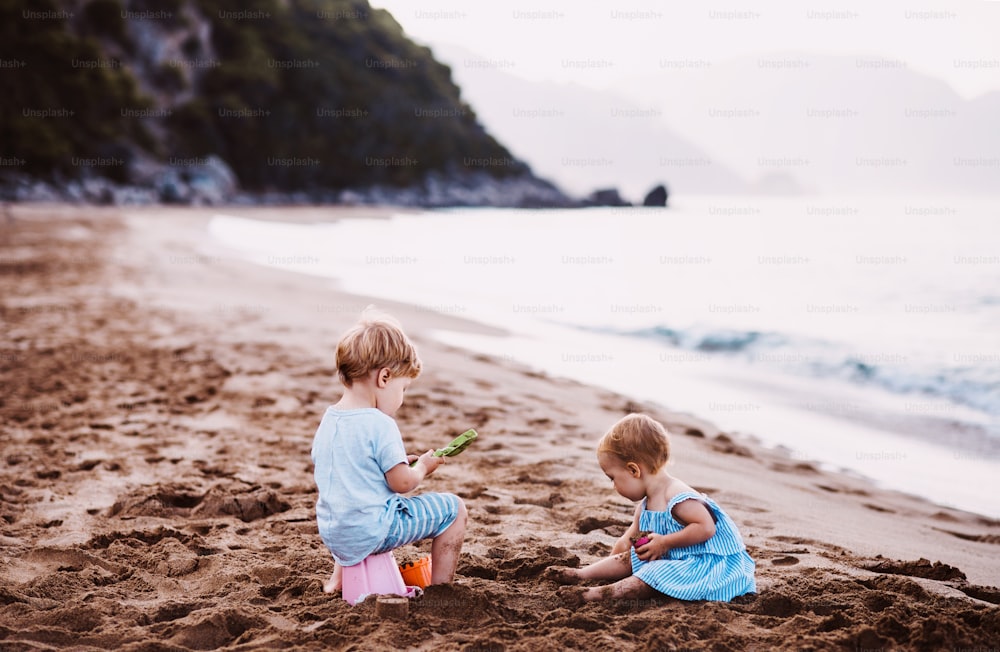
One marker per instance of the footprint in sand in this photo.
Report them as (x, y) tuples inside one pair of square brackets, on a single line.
[(591, 523), (171, 558), (879, 508), (979, 538), (472, 492), (786, 560), (175, 500), (88, 465), (217, 629), (804, 468), (248, 506), (985, 593), (176, 610), (553, 499), (920, 568), (777, 604), (475, 566), (148, 537), (723, 443), (846, 490), (599, 549), (160, 501)]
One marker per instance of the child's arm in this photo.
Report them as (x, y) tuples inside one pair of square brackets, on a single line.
[(625, 542), (404, 478), (700, 528)]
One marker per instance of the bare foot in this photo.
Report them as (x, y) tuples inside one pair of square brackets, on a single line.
[(571, 596), (561, 575), (335, 583)]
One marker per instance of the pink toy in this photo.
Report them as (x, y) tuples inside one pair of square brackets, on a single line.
[(376, 575), (641, 539)]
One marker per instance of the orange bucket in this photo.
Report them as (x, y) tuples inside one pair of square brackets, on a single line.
[(417, 573)]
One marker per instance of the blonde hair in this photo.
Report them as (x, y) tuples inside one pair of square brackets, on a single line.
[(637, 438), (376, 342)]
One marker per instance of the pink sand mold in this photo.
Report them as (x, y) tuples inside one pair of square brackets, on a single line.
[(377, 574)]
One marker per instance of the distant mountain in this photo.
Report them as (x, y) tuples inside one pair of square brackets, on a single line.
[(294, 95), (778, 123), (841, 124), (586, 139)]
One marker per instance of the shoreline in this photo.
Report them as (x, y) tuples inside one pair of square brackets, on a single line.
[(828, 421), (181, 396), (886, 437)]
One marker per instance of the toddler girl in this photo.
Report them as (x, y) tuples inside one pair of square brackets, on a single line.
[(689, 548)]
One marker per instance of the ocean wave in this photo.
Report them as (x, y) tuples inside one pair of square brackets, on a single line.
[(977, 387), (974, 384), (711, 341)]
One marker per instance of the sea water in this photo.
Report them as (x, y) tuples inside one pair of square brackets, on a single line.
[(863, 333)]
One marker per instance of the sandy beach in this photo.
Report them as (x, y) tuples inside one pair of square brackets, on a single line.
[(158, 401)]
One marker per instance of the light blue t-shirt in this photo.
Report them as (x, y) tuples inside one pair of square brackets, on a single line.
[(352, 451)]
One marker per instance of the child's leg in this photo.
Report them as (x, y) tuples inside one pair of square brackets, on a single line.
[(630, 588), (336, 581), (614, 567), (440, 517), (446, 548)]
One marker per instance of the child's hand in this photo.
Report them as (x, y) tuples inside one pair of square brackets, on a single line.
[(654, 549), (430, 461), (404, 478)]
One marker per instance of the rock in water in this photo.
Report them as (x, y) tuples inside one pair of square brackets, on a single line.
[(607, 197), (656, 197)]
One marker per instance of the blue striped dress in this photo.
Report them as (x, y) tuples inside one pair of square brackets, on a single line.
[(717, 569)]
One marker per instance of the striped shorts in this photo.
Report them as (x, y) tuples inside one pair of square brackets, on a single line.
[(420, 517)]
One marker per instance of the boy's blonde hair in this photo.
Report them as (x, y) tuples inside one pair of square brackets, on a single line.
[(376, 341), (637, 438)]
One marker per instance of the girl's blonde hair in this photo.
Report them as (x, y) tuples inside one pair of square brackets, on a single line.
[(376, 342), (637, 438)]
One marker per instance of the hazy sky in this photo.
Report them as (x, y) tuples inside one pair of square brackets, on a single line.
[(600, 43)]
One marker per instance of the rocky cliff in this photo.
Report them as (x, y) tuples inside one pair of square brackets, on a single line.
[(296, 97)]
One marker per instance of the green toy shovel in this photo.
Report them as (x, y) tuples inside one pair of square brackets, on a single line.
[(457, 445)]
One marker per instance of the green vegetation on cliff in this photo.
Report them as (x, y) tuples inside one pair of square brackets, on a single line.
[(62, 100), (293, 94)]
